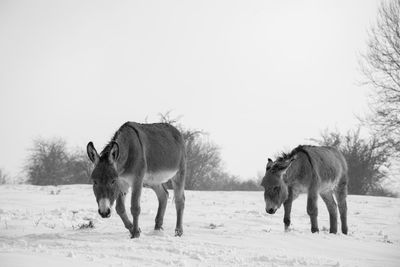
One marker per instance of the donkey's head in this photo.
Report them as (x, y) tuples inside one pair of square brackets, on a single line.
[(276, 190), (104, 176)]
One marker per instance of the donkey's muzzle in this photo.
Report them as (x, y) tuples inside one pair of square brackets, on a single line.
[(270, 211), (104, 207), (106, 213)]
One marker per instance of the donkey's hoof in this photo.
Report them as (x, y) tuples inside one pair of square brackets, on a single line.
[(158, 228), (135, 233), (333, 231), (178, 232), (314, 230)]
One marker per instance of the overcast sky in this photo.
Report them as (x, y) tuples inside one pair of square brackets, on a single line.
[(258, 76)]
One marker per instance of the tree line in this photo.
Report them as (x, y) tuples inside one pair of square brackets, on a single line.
[(51, 163)]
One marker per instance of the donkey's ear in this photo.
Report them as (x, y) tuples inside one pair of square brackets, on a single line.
[(92, 153), (269, 164), (114, 152)]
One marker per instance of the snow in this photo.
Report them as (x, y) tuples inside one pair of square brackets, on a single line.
[(39, 226)]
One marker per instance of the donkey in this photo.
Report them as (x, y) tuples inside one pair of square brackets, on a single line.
[(140, 155), (313, 170)]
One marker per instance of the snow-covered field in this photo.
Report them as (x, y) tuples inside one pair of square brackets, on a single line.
[(39, 227)]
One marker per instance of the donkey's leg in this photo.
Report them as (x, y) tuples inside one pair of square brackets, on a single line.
[(162, 195), (179, 196), (341, 195), (312, 209), (178, 183), (135, 206), (120, 208), (288, 208), (332, 209)]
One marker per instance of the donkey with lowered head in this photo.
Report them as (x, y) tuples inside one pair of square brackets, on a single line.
[(140, 155), (313, 170)]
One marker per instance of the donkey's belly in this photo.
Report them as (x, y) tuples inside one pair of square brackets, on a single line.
[(158, 177)]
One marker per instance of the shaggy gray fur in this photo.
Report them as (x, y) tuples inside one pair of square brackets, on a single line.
[(138, 155), (315, 170)]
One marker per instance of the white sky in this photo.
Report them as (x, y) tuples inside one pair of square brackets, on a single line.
[(259, 76)]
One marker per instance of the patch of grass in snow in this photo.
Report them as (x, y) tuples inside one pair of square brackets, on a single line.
[(55, 192), (82, 226)]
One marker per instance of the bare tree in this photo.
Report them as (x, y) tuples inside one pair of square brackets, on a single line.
[(50, 163), (380, 66), (46, 162)]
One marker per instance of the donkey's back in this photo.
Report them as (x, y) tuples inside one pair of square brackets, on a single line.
[(329, 165), (164, 145)]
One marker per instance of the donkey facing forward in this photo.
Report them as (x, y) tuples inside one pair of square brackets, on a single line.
[(311, 169), (137, 155)]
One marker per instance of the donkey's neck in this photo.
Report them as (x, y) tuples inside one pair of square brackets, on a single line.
[(121, 163), (298, 171), (292, 173)]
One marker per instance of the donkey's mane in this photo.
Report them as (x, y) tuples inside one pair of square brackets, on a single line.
[(287, 156), (107, 148)]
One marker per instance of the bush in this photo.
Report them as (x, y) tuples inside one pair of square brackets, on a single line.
[(380, 191), (50, 163), (79, 168), (3, 177)]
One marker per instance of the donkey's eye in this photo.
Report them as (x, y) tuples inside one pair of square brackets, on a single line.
[(94, 183), (113, 182), (276, 189)]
